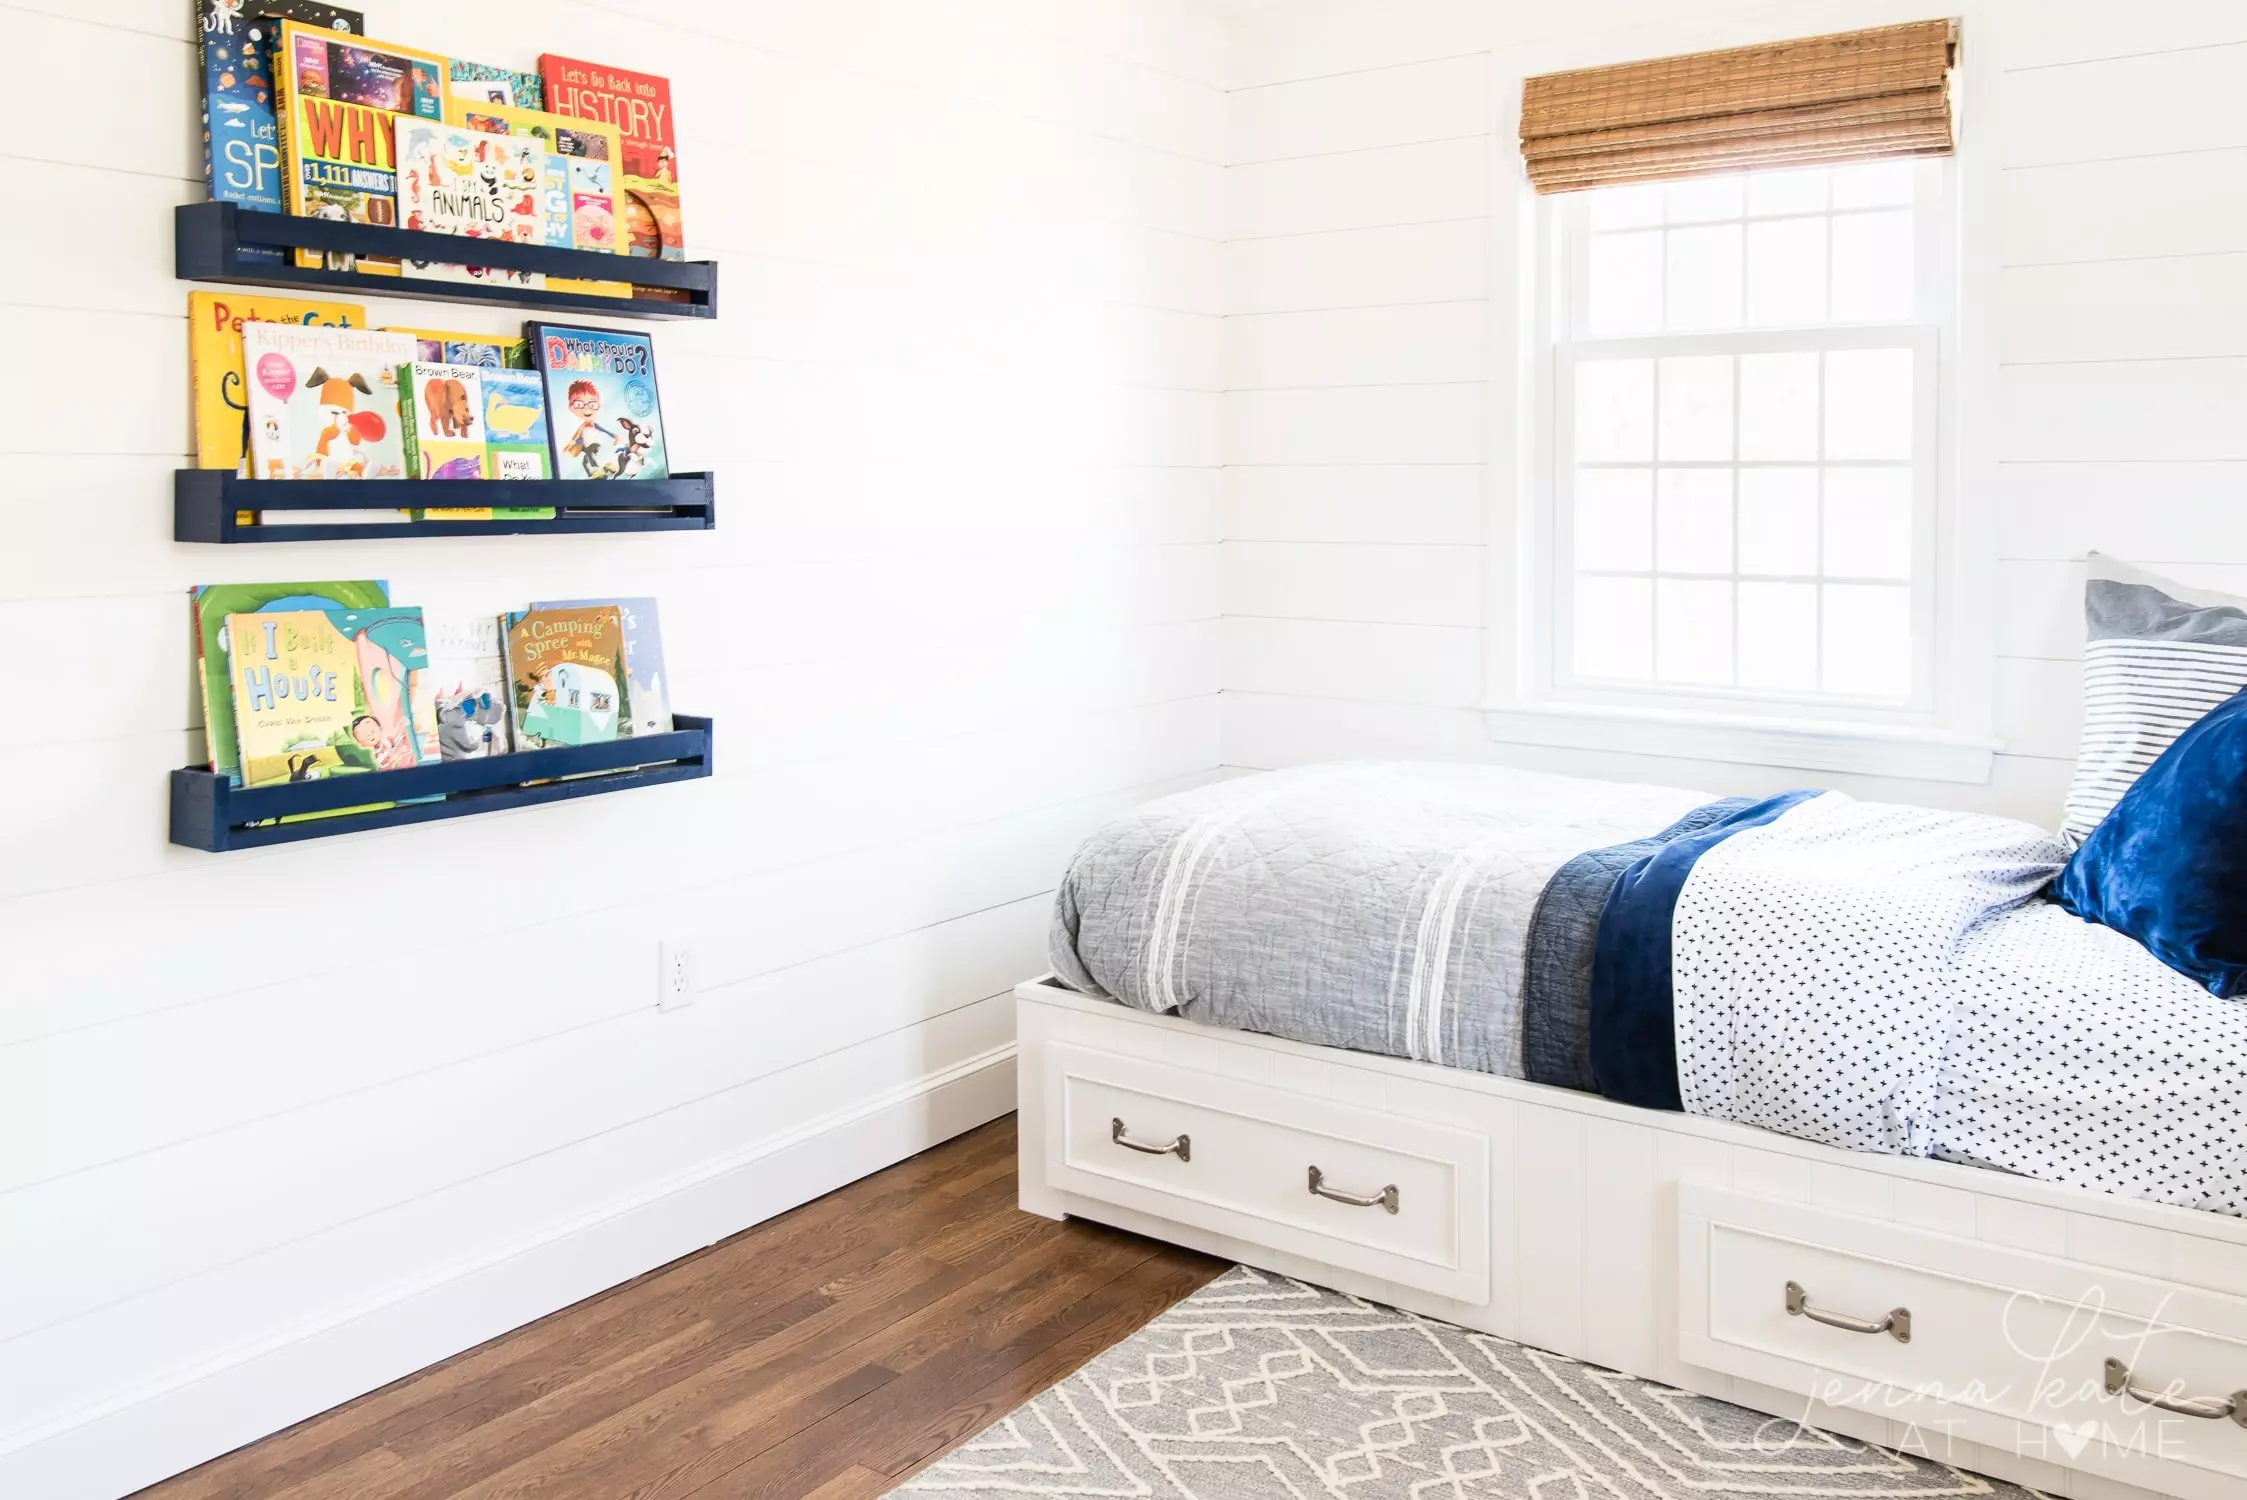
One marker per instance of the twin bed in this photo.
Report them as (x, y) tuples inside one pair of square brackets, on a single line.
[(1453, 1037)]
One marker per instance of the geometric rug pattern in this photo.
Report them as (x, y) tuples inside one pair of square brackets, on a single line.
[(1262, 1388)]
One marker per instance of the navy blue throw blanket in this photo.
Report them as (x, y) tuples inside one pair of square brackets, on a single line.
[(1633, 1021)]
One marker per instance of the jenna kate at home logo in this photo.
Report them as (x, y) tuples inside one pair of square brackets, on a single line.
[(2089, 1378)]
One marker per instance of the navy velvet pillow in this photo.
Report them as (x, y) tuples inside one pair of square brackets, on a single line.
[(2169, 865)]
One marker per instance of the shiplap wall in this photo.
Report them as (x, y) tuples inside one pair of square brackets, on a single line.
[(1357, 421), (277, 1127)]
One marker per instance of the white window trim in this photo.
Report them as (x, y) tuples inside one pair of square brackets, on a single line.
[(1950, 737)]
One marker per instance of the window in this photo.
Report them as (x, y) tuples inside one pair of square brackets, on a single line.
[(1742, 461)]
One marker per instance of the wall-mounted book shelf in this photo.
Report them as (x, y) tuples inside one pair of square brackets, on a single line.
[(206, 506), (210, 814), (208, 240)]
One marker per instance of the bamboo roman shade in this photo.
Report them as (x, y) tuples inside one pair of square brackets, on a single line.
[(1812, 102)]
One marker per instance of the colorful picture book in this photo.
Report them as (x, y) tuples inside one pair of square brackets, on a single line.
[(639, 106), (647, 706), (579, 203), (319, 692), (565, 673), (241, 141), (214, 360), (337, 101), (441, 422), (471, 183), (481, 83), (486, 351), (515, 433), (208, 607), (324, 402), (468, 681), (603, 411)]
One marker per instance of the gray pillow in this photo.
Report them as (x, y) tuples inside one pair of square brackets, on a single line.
[(2158, 657)]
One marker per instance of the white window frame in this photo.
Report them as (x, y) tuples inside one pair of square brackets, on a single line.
[(1943, 732)]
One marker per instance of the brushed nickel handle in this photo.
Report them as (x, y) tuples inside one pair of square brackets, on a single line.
[(1897, 1325), (1182, 1148), (1386, 1198), (2211, 1408)]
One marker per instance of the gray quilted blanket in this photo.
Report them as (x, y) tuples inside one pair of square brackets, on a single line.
[(1387, 908)]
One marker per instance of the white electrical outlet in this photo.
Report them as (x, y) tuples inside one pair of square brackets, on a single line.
[(674, 980)]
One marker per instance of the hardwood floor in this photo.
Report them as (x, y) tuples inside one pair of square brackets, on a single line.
[(823, 1355)]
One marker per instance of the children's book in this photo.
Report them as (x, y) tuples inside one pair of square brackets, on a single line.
[(481, 83), (241, 142), (337, 101), (324, 403), (647, 702), (397, 722), (515, 433), (580, 196), (214, 358), (638, 105), (295, 683), (452, 180), (565, 675), (486, 351), (210, 603), (441, 425), (468, 680), (602, 409)]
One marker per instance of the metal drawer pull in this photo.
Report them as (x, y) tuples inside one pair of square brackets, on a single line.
[(1897, 1325), (1182, 1148), (1386, 1198), (2214, 1409)]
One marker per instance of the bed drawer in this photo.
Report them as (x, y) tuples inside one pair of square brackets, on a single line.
[(1401, 1199), (2029, 1353)]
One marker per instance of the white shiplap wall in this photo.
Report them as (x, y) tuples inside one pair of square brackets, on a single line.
[(1358, 314), (277, 1127)]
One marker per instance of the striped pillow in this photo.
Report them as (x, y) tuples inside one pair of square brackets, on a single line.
[(2158, 658)]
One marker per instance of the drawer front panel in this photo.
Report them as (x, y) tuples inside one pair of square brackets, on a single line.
[(1238, 1158), (2017, 1345)]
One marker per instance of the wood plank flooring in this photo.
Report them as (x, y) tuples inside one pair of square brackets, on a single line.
[(823, 1355)]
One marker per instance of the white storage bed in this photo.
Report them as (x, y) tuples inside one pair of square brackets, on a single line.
[(1718, 1257)]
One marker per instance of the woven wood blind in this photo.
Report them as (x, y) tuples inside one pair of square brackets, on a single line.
[(1816, 101)]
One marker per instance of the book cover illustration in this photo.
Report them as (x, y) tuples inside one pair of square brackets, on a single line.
[(484, 84), (471, 183), (241, 139), (210, 603), (515, 434), (639, 106), (337, 103), (441, 422), (468, 682), (296, 697), (214, 363), (647, 702), (486, 351), (324, 401), (563, 675), (602, 407), (579, 191)]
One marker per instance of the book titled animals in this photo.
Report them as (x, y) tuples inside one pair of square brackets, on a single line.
[(471, 183), (602, 407)]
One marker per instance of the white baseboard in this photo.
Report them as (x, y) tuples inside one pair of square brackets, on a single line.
[(194, 1415)]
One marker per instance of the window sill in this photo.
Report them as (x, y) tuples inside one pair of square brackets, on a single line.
[(1804, 744)]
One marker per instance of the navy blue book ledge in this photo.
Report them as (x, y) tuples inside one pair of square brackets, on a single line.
[(205, 503), (208, 240), (208, 813)]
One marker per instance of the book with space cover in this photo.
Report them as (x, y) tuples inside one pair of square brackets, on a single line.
[(602, 408), (578, 200), (338, 100), (208, 606), (647, 704), (468, 681), (241, 141), (486, 351), (214, 362), (470, 183), (565, 675)]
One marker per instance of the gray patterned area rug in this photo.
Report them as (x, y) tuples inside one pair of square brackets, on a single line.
[(1262, 1388)]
